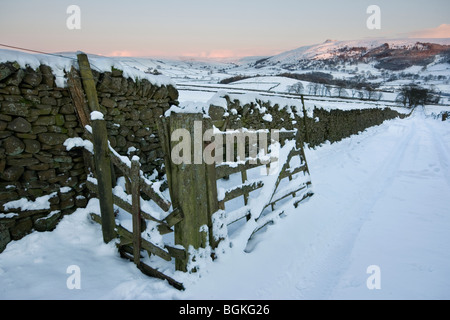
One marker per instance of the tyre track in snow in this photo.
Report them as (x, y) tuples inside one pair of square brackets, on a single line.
[(328, 272), (408, 229), (442, 151)]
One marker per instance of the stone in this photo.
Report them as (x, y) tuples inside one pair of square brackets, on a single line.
[(173, 93), (53, 139), (13, 146), (47, 174), (7, 69), (16, 78), (26, 136), (59, 120), (19, 125), (47, 75), (5, 237), (5, 134), (67, 204), (19, 109), (216, 113), (32, 146), (21, 229), (38, 129), (45, 121), (81, 202), (49, 101), (47, 223), (39, 167), (161, 93), (12, 173), (146, 115), (22, 162), (62, 159), (13, 90), (32, 77), (108, 103), (67, 109)]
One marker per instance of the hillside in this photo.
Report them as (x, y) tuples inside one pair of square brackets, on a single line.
[(392, 55)]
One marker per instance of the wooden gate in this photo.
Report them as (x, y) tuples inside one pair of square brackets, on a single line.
[(197, 205), (131, 243), (194, 186)]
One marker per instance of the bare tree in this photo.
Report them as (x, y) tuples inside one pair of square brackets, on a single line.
[(296, 88), (313, 88), (340, 92)]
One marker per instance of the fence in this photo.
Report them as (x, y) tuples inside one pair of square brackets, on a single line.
[(195, 187), (197, 213)]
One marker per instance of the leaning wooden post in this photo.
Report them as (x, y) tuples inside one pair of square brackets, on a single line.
[(136, 208), (101, 151)]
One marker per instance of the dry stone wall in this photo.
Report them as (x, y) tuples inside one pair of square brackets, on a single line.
[(40, 181), (317, 125)]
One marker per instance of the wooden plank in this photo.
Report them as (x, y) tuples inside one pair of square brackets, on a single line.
[(127, 253), (224, 170), (290, 173), (78, 99), (176, 253), (305, 196), (146, 269), (136, 208), (163, 227), (147, 188), (101, 152), (174, 217), (146, 245), (241, 190), (244, 180), (290, 193)]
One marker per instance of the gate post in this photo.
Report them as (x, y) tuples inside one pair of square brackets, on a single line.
[(101, 152), (191, 183)]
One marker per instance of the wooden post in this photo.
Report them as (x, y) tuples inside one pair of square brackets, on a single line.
[(101, 152), (189, 190), (136, 208), (305, 121)]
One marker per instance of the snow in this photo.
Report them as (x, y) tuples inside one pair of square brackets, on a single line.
[(267, 117), (62, 63), (41, 203), (78, 142), (380, 200), (97, 115)]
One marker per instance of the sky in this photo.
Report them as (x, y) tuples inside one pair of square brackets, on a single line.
[(211, 28)]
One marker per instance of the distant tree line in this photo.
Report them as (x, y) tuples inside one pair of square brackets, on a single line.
[(413, 95), (236, 78), (328, 79)]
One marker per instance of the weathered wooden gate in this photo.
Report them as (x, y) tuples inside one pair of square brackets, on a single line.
[(197, 213), (194, 185)]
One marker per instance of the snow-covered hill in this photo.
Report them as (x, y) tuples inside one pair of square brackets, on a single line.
[(331, 48)]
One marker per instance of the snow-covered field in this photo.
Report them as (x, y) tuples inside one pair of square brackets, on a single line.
[(381, 199)]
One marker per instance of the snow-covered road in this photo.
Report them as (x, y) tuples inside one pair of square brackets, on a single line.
[(381, 199)]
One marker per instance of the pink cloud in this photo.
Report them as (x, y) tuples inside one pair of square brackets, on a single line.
[(443, 31)]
